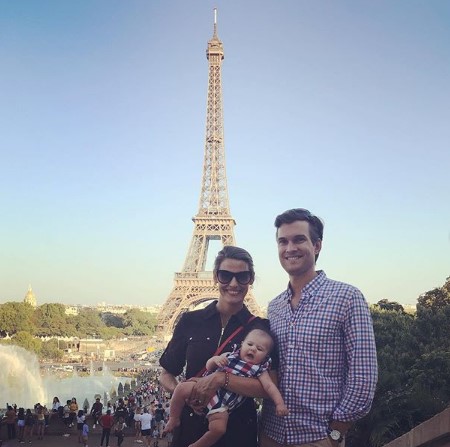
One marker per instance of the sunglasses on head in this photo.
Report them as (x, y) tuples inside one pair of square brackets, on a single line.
[(225, 277)]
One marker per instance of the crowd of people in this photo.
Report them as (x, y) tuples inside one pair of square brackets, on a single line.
[(141, 414)]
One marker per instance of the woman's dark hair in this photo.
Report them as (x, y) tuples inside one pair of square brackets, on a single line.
[(232, 252)]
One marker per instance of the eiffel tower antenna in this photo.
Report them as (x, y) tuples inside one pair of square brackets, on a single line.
[(193, 285)]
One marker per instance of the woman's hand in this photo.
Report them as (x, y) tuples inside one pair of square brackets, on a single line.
[(204, 389)]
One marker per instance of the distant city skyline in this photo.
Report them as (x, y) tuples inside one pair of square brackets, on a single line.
[(338, 108)]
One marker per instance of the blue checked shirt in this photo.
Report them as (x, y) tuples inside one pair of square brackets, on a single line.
[(328, 361)]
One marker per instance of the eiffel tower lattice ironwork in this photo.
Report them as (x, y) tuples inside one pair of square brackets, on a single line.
[(193, 285)]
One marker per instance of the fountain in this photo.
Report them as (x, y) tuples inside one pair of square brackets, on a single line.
[(20, 377), (25, 386)]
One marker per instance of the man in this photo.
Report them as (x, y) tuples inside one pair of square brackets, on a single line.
[(159, 419), (106, 422), (96, 411), (146, 426), (328, 365)]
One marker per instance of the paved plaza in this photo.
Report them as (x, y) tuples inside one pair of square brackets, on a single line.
[(54, 438)]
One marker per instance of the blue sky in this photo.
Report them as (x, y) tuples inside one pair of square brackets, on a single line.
[(338, 107)]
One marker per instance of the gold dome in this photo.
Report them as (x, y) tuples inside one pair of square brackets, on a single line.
[(30, 298)]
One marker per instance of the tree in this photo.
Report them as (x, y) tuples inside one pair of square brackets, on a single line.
[(50, 350), (138, 323), (51, 319), (111, 319), (436, 298), (429, 375), (396, 349), (27, 341), (16, 317), (432, 328), (88, 322), (390, 305), (414, 366)]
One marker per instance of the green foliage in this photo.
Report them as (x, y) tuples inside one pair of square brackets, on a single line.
[(436, 298), (112, 320), (27, 341), (414, 366), (16, 317), (108, 333), (390, 305), (51, 319), (50, 350), (87, 322), (139, 323)]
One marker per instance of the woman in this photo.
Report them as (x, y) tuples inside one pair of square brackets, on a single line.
[(55, 407), (21, 424), (29, 425), (196, 338), (40, 421), (73, 408)]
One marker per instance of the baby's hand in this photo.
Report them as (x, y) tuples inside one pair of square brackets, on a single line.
[(221, 361), (281, 410)]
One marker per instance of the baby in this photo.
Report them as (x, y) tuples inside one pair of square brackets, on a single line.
[(251, 360)]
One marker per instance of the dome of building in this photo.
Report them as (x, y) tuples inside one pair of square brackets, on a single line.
[(30, 298)]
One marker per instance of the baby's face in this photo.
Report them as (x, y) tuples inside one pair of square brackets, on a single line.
[(256, 347)]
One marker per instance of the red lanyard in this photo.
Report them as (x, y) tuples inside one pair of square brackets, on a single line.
[(222, 346)]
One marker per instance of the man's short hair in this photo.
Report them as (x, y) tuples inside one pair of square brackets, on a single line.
[(315, 223)]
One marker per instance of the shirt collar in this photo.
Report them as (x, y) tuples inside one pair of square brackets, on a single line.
[(243, 315), (311, 288)]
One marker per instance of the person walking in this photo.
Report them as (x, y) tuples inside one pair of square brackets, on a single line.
[(96, 411), (146, 426), (106, 422)]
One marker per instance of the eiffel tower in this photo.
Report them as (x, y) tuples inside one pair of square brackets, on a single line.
[(193, 285)]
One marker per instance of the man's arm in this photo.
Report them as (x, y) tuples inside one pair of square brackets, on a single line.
[(360, 350)]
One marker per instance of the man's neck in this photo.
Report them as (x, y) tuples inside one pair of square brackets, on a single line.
[(298, 282)]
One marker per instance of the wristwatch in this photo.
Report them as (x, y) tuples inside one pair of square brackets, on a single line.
[(335, 435)]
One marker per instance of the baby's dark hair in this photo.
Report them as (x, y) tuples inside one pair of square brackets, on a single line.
[(263, 328)]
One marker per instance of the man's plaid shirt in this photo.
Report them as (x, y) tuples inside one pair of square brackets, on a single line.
[(328, 360)]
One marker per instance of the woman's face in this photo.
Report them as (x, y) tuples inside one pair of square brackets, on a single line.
[(232, 293)]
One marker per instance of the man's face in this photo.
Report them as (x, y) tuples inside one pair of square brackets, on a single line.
[(296, 251)]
